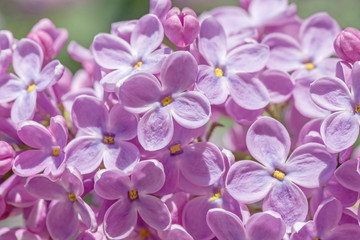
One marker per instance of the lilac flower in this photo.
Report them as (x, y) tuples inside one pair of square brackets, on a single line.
[(340, 129), (133, 197), (114, 53), (62, 220), (6, 42), (49, 147), (27, 62), (276, 178), (165, 102), (227, 72), (226, 225), (104, 136), (347, 45)]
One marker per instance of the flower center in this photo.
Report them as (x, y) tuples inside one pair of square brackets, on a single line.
[(279, 175), (72, 197), (138, 64), (357, 108), (109, 138), (219, 72), (175, 149), (166, 101), (317, 238), (216, 196), (309, 66), (31, 87), (56, 151), (133, 194), (144, 233)]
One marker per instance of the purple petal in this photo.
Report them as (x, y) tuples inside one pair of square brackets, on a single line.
[(265, 226), (122, 123), (112, 52), (10, 87), (327, 216), (191, 109), (160, 8), (42, 187), (289, 201), (345, 232), (132, 95), (147, 35), (340, 130), (112, 184), (51, 73), (225, 225), (355, 81), (331, 94), (201, 163), (24, 107), (268, 141), (248, 181), (262, 12), (171, 171), (34, 135), (178, 232), (31, 162), (62, 221), (71, 181), (178, 72), (347, 175), (115, 229), (247, 91), (148, 176), (19, 197), (114, 78), (154, 212), (155, 129), (310, 165), (214, 88), (86, 213), (241, 115), (59, 130), (27, 60), (247, 58)]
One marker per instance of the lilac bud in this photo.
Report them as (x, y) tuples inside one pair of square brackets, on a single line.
[(245, 4), (7, 155), (45, 42), (347, 45), (181, 27)]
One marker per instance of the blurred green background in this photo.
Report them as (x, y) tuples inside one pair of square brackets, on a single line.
[(85, 18)]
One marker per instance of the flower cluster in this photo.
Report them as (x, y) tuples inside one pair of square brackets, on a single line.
[(128, 147)]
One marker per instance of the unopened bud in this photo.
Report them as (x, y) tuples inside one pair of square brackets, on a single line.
[(347, 45)]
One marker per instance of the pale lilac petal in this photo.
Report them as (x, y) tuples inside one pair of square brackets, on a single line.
[(35, 216), (212, 42), (331, 94), (191, 109), (121, 155), (114, 78), (19, 197), (85, 153), (345, 232), (24, 107), (289, 201), (261, 12), (225, 225), (42, 187), (306, 232), (111, 52), (71, 181), (328, 216), (248, 91), (317, 35), (152, 63), (171, 171), (310, 165), (214, 88), (265, 226), (178, 72), (310, 132), (148, 176), (112, 184), (155, 129), (147, 35), (27, 60), (355, 81), (154, 212), (248, 181), (247, 58), (31, 162), (201, 163), (122, 209), (160, 8), (132, 95), (340, 130), (122, 123), (279, 85), (58, 128), (268, 141), (34, 135), (50, 74), (86, 213), (10, 87), (62, 221), (347, 175), (241, 115), (346, 196), (178, 232)]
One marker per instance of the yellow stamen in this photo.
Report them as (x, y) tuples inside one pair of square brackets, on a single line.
[(166, 101), (279, 175), (72, 197), (31, 87), (309, 66), (138, 64), (317, 238), (56, 151), (175, 149), (133, 194), (108, 140), (357, 108), (219, 72), (216, 196), (144, 233)]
